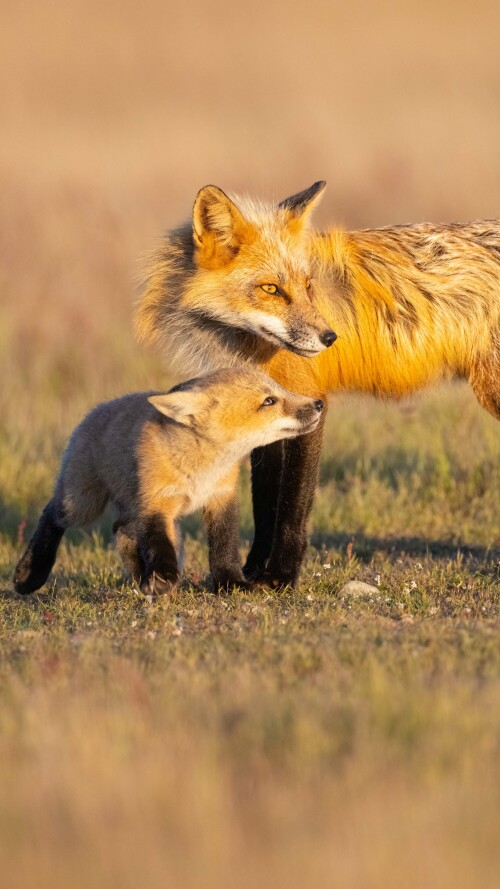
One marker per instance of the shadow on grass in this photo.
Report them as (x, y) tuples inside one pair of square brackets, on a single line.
[(476, 558), (61, 584), (364, 548)]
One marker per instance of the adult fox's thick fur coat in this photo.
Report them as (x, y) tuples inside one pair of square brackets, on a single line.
[(249, 282)]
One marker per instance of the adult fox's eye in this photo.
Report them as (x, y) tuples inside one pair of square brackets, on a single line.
[(269, 288), (268, 401)]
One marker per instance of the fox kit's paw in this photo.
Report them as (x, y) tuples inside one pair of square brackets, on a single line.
[(155, 585)]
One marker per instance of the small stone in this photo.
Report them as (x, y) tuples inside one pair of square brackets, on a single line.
[(358, 588)]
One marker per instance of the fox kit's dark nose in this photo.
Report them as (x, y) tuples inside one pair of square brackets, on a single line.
[(328, 338), (319, 405)]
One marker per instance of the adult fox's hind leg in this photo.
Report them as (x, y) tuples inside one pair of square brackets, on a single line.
[(485, 377)]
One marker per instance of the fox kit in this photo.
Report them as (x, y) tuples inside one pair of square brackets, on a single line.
[(249, 282), (158, 457)]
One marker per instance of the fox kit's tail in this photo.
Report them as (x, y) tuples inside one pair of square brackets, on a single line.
[(36, 563)]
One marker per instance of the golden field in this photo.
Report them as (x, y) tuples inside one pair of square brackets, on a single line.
[(256, 740)]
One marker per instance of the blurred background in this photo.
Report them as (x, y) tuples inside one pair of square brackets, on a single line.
[(397, 105), (114, 114)]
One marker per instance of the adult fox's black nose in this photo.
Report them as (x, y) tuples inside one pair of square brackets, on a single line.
[(319, 405), (328, 338)]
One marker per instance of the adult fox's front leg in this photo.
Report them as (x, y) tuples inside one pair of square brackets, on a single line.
[(267, 466), (298, 484)]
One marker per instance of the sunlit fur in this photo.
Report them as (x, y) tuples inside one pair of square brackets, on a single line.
[(410, 304), (219, 419), (158, 457), (203, 297)]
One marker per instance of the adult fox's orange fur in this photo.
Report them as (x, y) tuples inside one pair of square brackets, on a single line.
[(250, 282)]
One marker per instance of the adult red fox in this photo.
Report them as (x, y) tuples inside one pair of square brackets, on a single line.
[(250, 282), (158, 457)]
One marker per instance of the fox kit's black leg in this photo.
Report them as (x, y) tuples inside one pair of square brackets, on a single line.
[(156, 542), (267, 465), (298, 484), (36, 563), (221, 519)]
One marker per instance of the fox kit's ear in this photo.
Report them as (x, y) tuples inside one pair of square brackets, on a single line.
[(299, 207), (178, 406), (219, 228)]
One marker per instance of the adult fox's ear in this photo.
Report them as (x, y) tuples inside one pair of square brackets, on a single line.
[(299, 207), (178, 406), (219, 227)]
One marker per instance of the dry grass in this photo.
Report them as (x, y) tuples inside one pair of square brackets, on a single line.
[(254, 740), (250, 741)]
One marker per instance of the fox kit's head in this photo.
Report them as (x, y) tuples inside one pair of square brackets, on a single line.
[(253, 268), (239, 409)]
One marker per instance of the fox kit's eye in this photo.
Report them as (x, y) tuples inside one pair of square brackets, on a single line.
[(269, 401), (269, 288)]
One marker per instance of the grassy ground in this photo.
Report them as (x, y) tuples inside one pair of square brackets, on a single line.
[(262, 740), (256, 740)]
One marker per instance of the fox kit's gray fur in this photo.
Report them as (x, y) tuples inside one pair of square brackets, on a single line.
[(158, 457)]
